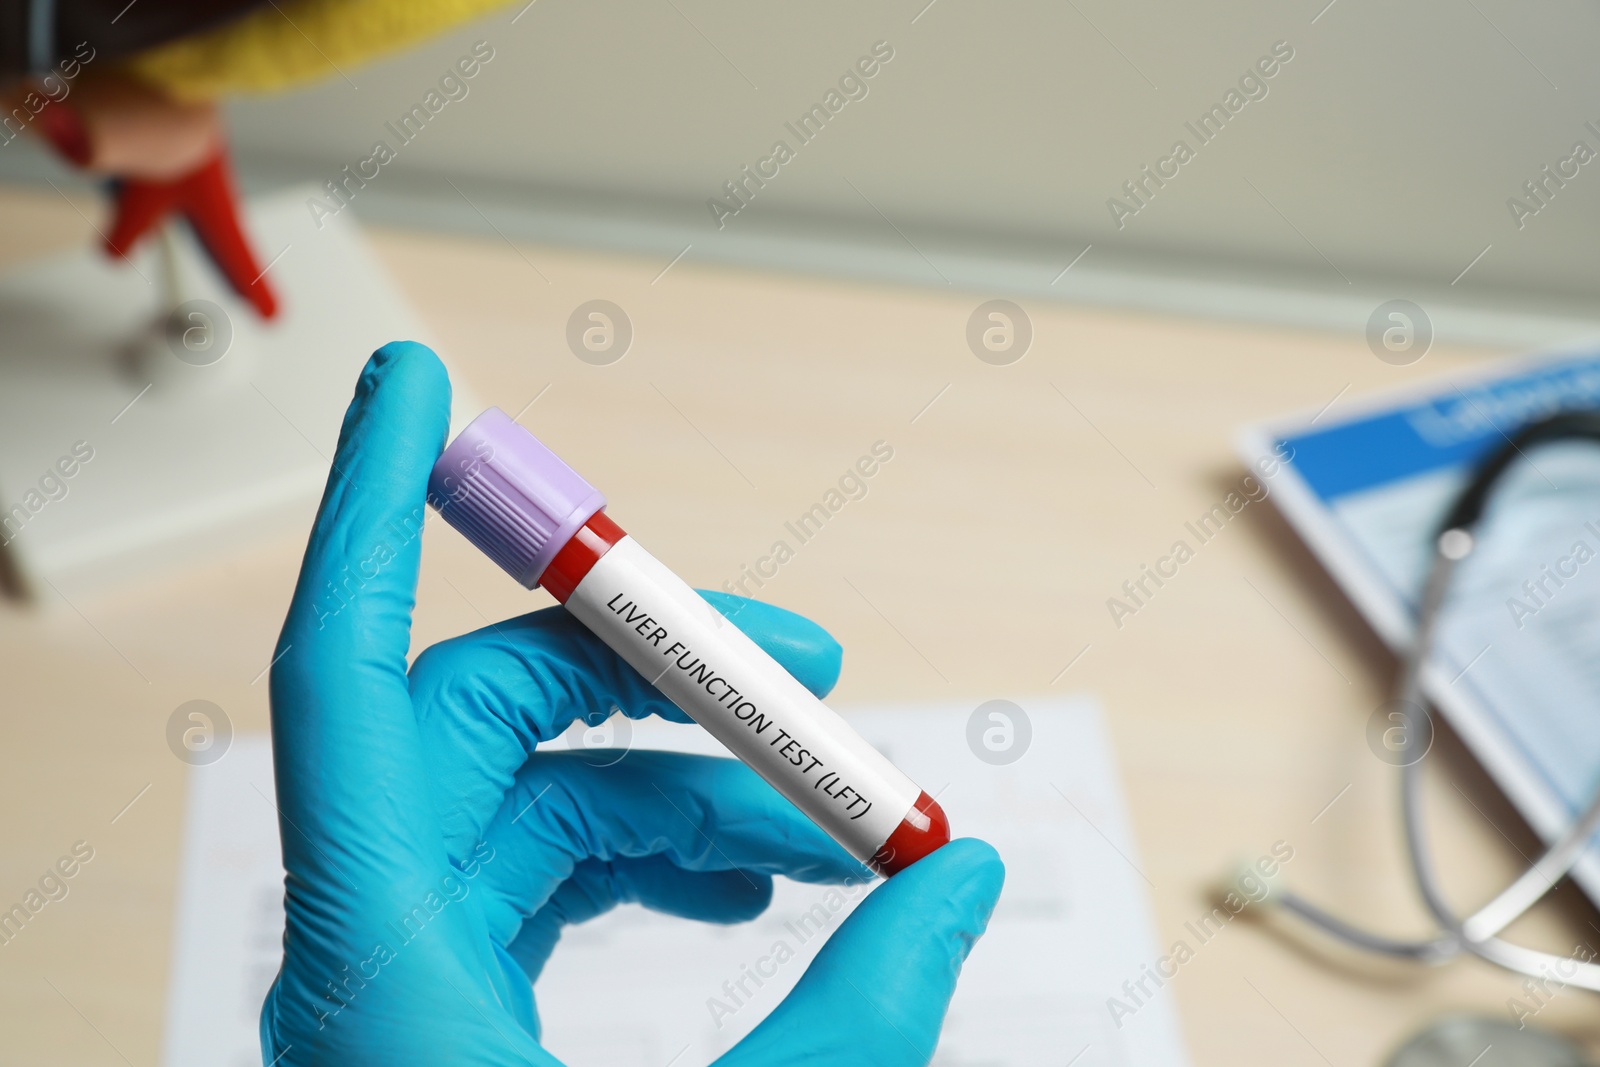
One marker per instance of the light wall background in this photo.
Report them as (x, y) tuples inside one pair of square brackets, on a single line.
[(1379, 164)]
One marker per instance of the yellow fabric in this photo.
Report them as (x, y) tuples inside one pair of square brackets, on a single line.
[(293, 41)]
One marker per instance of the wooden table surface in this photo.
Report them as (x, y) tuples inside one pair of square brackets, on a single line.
[(978, 566)]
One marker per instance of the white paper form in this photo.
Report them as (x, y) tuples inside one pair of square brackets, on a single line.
[(633, 987), (1516, 669), (227, 941)]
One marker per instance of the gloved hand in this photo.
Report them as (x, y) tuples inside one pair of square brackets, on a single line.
[(433, 856)]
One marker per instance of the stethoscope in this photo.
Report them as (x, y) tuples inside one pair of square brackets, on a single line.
[(1476, 934)]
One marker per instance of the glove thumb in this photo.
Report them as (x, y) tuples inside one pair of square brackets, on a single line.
[(878, 991)]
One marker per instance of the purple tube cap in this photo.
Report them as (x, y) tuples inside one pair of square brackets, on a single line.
[(510, 495)]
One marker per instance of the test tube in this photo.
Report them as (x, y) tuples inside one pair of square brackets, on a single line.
[(546, 526)]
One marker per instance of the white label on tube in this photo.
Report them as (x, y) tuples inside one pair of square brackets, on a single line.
[(729, 685)]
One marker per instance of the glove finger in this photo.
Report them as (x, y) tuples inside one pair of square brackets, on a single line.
[(878, 991), (486, 700), (360, 836), (597, 886), (350, 778), (698, 813)]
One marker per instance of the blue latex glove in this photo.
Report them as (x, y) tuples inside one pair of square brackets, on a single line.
[(433, 857)]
